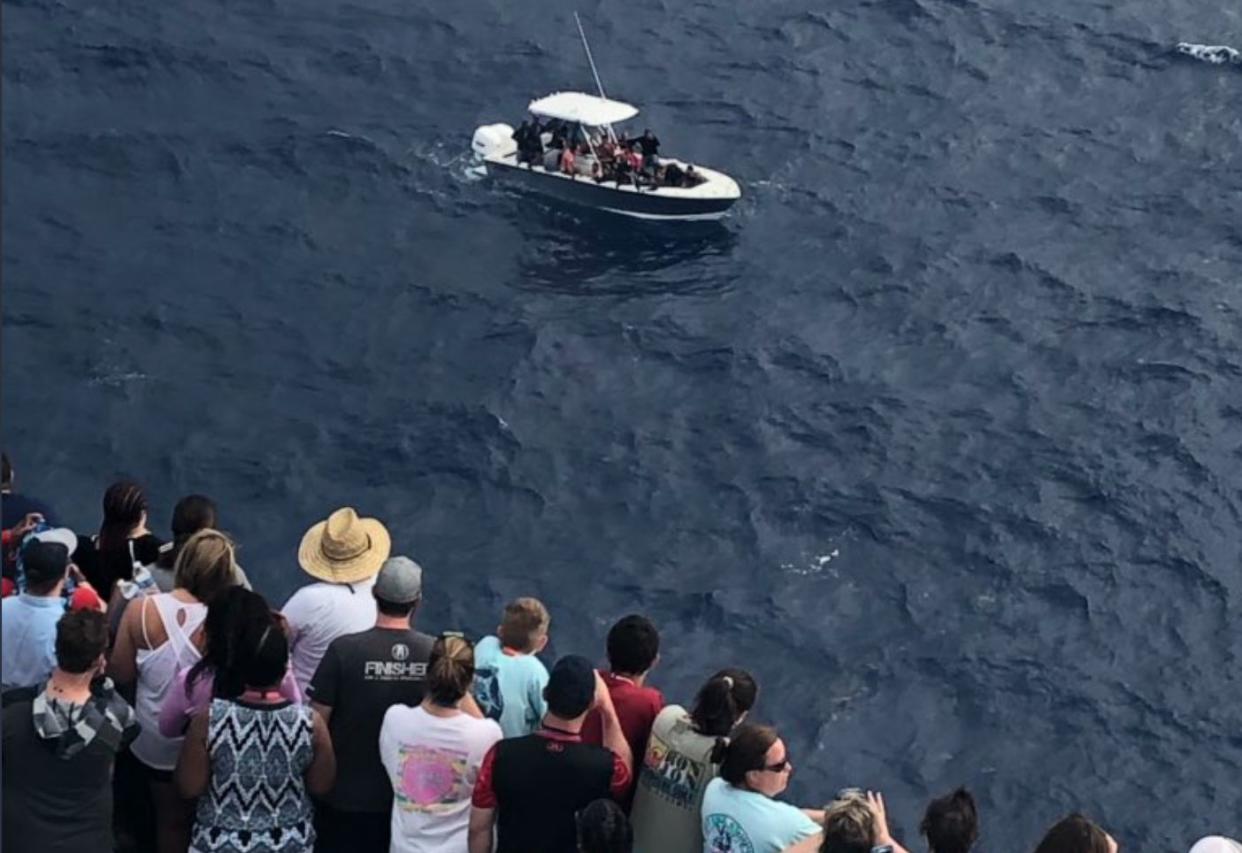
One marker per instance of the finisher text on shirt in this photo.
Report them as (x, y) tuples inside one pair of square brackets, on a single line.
[(383, 670)]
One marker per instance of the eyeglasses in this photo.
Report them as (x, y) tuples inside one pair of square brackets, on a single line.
[(445, 636)]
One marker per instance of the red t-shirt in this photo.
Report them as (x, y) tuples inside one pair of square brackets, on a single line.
[(637, 708), (484, 796)]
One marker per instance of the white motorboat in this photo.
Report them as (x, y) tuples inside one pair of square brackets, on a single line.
[(592, 118)]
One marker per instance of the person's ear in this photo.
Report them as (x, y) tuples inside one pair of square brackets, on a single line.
[(541, 644)]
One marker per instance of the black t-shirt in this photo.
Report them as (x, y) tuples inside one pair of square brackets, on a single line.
[(539, 785), (649, 145), (50, 803), (360, 677), (104, 570)]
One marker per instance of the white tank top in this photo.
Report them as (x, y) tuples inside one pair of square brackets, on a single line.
[(157, 668)]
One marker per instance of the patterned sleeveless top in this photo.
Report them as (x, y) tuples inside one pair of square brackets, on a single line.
[(256, 801)]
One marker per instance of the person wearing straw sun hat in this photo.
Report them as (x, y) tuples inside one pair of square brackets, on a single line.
[(343, 553)]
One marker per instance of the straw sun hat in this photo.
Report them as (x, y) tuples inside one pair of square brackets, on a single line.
[(345, 548)]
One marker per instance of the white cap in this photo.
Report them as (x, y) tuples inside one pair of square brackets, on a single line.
[(60, 536), (1216, 844)]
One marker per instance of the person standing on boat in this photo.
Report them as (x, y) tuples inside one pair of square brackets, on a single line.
[(650, 145), (521, 137)]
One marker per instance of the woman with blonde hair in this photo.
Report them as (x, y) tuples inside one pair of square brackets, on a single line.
[(433, 753), (156, 638)]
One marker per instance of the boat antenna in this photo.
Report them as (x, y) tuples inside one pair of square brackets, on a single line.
[(590, 58), (594, 72)]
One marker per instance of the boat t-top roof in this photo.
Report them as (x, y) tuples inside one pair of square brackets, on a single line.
[(590, 110)]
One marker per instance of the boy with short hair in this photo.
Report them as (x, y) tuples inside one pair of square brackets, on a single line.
[(633, 649), (508, 677)]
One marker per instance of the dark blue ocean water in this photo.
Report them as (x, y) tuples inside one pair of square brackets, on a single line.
[(941, 433)]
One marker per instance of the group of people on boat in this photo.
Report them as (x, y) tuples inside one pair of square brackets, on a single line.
[(599, 155)]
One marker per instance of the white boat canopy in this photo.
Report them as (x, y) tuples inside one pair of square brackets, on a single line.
[(582, 108)]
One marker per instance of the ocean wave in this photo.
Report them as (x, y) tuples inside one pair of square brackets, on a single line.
[(1217, 54)]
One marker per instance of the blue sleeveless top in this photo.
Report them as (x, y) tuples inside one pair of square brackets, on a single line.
[(256, 801)]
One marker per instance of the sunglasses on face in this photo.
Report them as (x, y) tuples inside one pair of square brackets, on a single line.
[(778, 766)]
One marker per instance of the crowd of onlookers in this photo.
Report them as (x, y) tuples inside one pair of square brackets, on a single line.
[(152, 701)]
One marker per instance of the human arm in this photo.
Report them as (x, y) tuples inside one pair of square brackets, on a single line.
[(816, 815), (321, 772), (123, 665), (324, 685), (482, 823), (193, 771), (84, 597), (323, 711), (483, 805), (614, 737), (882, 836), (537, 704), (19, 530)]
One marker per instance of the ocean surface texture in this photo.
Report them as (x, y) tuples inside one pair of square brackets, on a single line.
[(940, 433)]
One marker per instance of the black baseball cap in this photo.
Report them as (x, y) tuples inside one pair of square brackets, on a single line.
[(44, 562), (571, 687)]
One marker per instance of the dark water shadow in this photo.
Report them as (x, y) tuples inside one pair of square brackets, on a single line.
[(578, 250)]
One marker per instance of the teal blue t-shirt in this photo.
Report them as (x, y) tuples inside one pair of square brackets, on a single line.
[(739, 821), (509, 688)]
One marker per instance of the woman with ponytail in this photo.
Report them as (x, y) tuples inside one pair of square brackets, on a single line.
[(740, 809), (432, 754), (682, 756), (235, 620)]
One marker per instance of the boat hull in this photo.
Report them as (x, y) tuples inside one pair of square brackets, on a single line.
[(711, 200)]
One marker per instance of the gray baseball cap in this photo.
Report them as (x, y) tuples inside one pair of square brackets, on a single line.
[(400, 581)]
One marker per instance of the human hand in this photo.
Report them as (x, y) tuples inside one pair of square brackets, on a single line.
[(27, 524), (876, 801)]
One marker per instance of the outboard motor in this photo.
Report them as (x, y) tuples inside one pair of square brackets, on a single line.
[(493, 140)]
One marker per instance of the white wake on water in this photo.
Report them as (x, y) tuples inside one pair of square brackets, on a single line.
[(1217, 54)]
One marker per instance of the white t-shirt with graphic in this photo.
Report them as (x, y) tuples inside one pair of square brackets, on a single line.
[(740, 821), (432, 763)]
